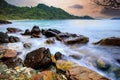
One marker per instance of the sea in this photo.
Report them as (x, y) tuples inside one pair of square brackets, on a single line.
[(89, 53)]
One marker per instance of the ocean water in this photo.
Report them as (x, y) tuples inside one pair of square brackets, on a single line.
[(89, 53)]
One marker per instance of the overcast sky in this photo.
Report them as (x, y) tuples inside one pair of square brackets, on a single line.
[(75, 7)]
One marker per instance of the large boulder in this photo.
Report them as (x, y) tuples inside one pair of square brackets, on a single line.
[(51, 33), (4, 37), (13, 30), (112, 41), (39, 58), (70, 39), (5, 22), (35, 32)]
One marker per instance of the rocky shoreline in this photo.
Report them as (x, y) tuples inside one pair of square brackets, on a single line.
[(41, 64), (5, 22)]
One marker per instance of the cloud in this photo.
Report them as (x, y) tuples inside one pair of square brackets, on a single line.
[(110, 12), (77, 6)]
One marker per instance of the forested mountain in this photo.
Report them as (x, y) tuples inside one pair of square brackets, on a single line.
[(41, 11)]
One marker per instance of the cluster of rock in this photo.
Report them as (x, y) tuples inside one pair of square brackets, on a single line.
[(67, 38), (4, 38), (41, 64)]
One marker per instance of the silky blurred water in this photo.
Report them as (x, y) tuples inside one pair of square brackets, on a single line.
[(94, 29)]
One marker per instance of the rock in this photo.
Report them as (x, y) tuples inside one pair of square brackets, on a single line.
[(44, 75), (50, 41), (112, 41), (103, 65), (117, 73), (10, 53), (83, 73), (64, 65), (13, 39), (13, 30), (39, 58), (63, 36), (13, 62), (58, 56), (77, 57), (70, 39), (27, 45), (17, 73), (35, 32), (7, 54), (27, 32), (51, 33), (118, 60), (5, 22), (3, 37)]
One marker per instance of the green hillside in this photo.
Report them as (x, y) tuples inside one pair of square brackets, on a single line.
[(41, 11)]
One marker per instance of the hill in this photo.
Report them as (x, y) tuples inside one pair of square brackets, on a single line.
[(41, 11)]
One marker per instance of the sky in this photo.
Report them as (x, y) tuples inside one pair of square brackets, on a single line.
[(74, 7)]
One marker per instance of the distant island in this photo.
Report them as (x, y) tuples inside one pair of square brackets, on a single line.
[(41, 11)]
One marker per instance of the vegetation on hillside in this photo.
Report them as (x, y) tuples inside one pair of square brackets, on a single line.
[(40, 11)]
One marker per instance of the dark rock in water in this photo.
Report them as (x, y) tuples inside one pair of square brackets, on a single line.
[(50, 41), (58, 56), (43, 31), (103, 65), (5, 22), (13, 30), (13, 62), (27, 45), (39, 58), (70, 39), (27, 32), (13, 39), (4, 37), (35, 32), (112, 41), (77, 57), (51, 33), (63, 36), (117, 72), (118, 60)]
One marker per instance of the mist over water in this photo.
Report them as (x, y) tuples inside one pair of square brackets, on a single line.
[(94, 29)]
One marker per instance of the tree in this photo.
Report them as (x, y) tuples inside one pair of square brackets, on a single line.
[(112, 4)]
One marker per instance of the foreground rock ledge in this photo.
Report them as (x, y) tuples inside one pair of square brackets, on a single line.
[(76, 72), (111, 41)]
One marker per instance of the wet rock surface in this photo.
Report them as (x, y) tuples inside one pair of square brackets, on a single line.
[(27, 32), (83, 73), (35, 32), (103, 65), (112, 41), (51, 33), (71, 39), (4, 37), (5, 22), (40, 58), (13, 30), (13, 39)]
